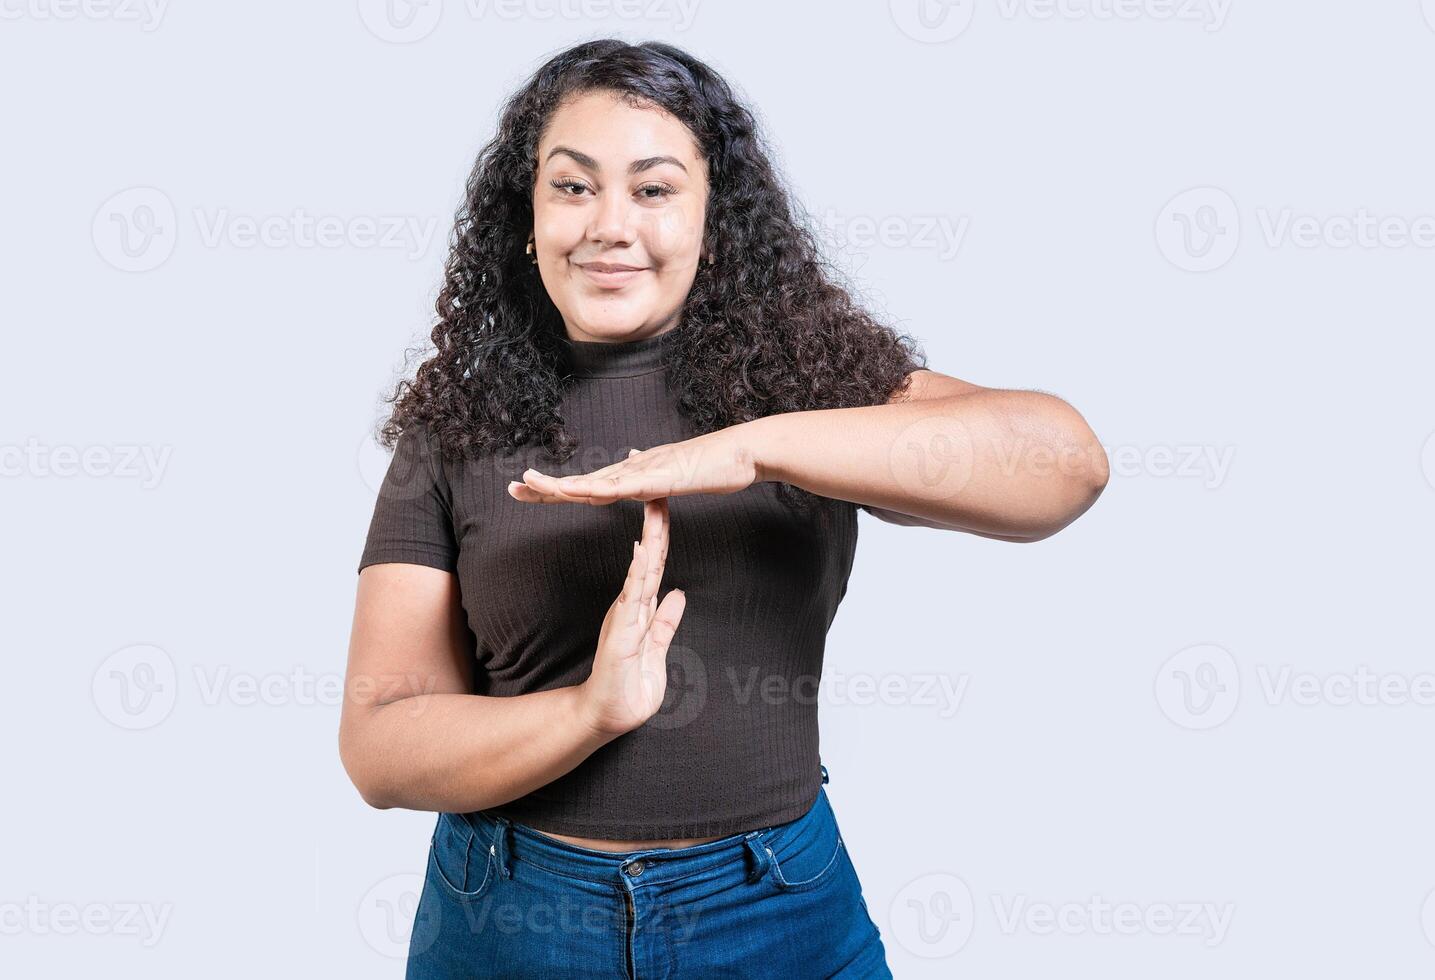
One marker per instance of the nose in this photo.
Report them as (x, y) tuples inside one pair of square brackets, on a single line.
[(611, 221)]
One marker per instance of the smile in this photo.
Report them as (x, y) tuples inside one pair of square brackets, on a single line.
[(615, 279)]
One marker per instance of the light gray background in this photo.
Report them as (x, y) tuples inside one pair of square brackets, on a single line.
[(1160, 706)]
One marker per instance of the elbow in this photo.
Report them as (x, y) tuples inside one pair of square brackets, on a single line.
[(1099, 471), (1087, 484), (1089, 488), (373, 790), (374, 795), (1084, 469)]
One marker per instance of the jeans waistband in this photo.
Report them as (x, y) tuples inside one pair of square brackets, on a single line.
[(508, 840)]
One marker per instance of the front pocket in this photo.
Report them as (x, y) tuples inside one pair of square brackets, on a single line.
[(461, 861), (807, 853)]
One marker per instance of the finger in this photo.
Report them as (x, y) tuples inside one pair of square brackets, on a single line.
[(583, 482), (525, 493), (660, 562), (619, 486), (664, 625), (528, 495), (629, 598), (549, 492), (611, 467), (653, 547), (667, 528)]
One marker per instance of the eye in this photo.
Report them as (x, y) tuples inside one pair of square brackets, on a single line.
[(648, 192)]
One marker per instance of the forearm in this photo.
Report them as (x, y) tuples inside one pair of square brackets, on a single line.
[(456, 753), (998, 461)]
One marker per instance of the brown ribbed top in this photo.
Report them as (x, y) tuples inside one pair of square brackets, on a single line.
[(734, 746)]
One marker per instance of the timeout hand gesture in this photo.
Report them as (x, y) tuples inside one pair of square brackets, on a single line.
[(630, 668)]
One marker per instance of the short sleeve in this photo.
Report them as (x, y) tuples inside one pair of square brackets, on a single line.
[(413, 515)]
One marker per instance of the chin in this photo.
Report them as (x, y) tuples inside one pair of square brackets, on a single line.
[(607, 326)]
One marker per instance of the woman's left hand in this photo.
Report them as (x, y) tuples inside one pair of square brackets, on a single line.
[(717, 462)]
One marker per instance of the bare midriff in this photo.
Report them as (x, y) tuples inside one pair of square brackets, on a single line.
[(597, 844)]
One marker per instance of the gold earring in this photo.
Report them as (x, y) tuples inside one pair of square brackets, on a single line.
[(530, 250)]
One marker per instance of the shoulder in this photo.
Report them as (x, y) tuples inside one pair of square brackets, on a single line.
[(924, 383)]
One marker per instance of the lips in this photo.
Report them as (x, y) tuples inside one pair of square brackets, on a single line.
[(610, 275)]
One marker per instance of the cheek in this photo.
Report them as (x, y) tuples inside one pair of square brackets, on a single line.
[(560, 233), (675, 236)]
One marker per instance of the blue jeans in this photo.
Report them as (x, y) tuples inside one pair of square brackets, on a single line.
[(501, 899)]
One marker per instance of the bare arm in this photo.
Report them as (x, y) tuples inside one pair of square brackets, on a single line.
[(411, 736), (1004, 464)]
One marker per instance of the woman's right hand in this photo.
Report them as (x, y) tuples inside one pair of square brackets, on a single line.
[(630, 667)]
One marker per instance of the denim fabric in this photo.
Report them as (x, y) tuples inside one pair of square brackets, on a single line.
[(501, 899)]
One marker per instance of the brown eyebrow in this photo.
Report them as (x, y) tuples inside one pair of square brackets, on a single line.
[(636, 167)]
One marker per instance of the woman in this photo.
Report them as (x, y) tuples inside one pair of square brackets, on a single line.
[(644, 380)]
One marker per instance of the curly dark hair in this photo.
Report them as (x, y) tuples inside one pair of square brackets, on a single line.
[(765, 330)]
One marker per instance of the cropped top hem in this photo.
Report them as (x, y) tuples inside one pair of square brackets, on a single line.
[(607, 830)]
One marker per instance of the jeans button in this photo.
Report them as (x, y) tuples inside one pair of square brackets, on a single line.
[(634, 869)]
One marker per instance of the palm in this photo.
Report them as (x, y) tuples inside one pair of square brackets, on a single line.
[(630, 673), (713, 463)]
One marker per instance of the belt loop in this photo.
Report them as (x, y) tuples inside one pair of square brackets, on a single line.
[(824, 772), (500, 846), (756, 855)]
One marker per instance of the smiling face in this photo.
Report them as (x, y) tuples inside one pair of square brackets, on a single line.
[(618, 208)]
